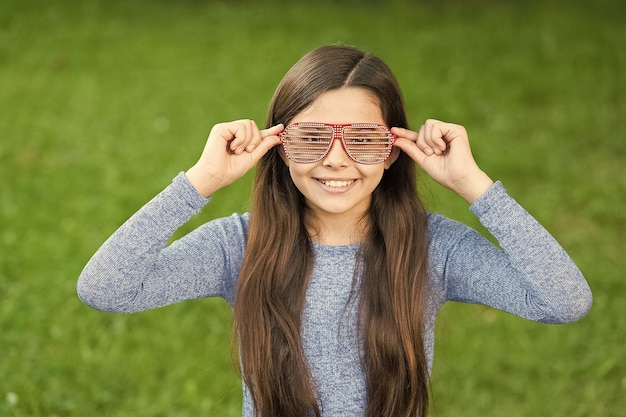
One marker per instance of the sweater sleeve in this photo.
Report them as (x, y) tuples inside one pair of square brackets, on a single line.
[(529, 275), (136, 270)]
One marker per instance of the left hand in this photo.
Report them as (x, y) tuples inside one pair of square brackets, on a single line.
[(442, 150)]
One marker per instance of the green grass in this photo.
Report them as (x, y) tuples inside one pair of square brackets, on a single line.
[(104, 102)]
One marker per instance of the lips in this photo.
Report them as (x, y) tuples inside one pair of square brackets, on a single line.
[(337, 183)]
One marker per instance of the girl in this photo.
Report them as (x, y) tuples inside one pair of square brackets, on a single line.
[(337, 273)]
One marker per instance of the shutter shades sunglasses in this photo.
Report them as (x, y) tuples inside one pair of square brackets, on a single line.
[(309, 142)]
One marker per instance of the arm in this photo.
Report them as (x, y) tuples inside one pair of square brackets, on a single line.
[(135, 270), (531, 276)]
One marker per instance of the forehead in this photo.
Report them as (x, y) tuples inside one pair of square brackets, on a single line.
[(343, 105)]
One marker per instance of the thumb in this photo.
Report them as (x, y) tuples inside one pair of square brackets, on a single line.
[(410, 148), (269, 139)]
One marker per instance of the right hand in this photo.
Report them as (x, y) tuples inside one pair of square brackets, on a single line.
[(231, 150)]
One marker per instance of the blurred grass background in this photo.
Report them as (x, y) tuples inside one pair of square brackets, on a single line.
[(102, 103)]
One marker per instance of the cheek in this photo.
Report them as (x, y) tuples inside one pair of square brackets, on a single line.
[(283, 156), (298, 173), (374, 173), (294, 169), (395, 153)]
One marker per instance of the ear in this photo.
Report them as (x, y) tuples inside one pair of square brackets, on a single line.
[(395, 153)]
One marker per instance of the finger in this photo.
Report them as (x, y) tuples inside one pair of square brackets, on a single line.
[(255, 137), (434, 136), (226, 132), (267, 143), (272, 131), (241, 131), (237, 130), (412, 136), (409, 148), (453, 132), (263, 134), (421, 141), (401, 132)]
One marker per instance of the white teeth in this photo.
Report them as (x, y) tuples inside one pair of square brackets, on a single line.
[(337, 184)]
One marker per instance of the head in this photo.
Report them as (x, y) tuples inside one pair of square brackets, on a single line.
[(326, 71), (279, 255)]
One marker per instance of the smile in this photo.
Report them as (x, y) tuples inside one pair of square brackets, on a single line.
[(336, 184)]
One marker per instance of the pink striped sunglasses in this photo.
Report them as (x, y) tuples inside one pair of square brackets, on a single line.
[(309, 142)]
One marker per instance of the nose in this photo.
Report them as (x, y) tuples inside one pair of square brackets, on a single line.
[(337, 155)]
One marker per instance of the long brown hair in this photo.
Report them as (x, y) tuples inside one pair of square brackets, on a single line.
[(279, 260)]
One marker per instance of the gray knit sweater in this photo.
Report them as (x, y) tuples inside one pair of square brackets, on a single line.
[(530, 276)]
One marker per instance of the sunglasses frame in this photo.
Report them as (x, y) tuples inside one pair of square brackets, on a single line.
[(338, 130)]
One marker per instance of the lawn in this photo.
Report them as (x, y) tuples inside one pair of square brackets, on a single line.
[(102, 103)]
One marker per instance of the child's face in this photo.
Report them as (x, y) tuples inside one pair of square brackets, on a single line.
[(337, 185)]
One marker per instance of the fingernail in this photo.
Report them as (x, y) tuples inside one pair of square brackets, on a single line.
[(428, 151), (250, 148)]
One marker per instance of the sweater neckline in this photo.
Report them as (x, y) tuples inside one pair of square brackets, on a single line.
[(351, 246)]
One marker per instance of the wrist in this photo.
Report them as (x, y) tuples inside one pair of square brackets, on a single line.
[(474, 186), (200, 182)]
